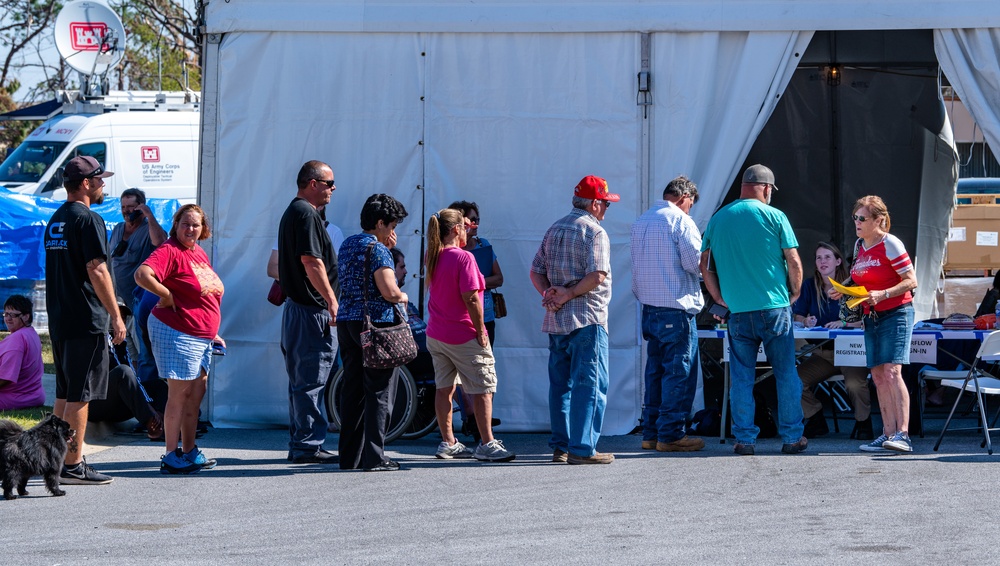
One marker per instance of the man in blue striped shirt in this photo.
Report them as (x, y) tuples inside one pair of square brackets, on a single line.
[(666, 250)]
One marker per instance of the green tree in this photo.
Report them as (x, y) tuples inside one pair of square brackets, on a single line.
[(23, 24), (163, 50)]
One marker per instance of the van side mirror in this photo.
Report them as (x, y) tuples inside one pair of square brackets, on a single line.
[(55, 182)]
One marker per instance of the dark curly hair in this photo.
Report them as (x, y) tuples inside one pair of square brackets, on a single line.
[(381, 207), (22, 304)]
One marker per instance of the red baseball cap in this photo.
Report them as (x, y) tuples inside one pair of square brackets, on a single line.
[(595, 188)]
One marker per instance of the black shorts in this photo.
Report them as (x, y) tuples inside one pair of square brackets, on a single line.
[(81, 368)]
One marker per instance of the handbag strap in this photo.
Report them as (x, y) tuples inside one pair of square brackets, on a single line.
[(364, 275)]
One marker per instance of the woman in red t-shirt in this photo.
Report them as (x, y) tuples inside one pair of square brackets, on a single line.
[(883, 267), (183, 326)]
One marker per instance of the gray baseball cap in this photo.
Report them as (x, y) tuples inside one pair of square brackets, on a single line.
[(759, 174)]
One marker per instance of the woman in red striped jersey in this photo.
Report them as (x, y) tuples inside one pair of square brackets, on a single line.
[(883, 267)]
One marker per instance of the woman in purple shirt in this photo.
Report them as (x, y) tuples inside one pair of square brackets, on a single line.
[(20, 358)]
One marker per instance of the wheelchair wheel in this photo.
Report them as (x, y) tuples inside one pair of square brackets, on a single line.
[(403, 408), (424, 418)]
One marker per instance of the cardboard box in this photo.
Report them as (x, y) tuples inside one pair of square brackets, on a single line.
[(974, 239)]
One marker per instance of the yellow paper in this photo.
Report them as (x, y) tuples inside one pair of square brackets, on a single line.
[(857, 291), (855, 302)]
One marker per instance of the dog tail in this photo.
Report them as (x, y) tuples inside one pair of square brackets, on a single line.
[(9, 429)]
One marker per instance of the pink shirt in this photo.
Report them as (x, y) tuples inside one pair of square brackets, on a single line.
[(448, 317), (196, 289), (21, 370)]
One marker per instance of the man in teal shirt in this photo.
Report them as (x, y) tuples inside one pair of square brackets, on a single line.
[(757, 274)]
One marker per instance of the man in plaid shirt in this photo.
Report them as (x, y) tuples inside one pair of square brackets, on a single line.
[(666, 250), (572, 272)]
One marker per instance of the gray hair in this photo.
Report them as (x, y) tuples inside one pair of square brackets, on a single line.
[(681, 187), (582, 203)]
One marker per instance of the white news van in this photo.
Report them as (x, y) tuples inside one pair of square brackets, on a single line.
[(149, 139)]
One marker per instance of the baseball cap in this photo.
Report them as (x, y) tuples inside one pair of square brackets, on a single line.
[(83, 167), (759, 174), (595, 188)]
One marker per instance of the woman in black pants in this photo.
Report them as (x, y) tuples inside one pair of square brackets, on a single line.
[(366, 394)]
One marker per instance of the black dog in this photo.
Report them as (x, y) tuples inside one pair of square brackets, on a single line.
[(39, 450)]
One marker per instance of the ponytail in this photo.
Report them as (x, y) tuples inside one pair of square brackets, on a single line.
[(438, 226)]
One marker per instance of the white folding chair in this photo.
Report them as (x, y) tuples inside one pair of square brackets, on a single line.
[(980, 385), (932, 374)]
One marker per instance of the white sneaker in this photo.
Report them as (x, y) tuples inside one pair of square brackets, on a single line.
[(875, 445), (493, 451), (457, 450)]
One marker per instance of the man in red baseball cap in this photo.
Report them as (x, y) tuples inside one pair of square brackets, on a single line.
[(576, 318)]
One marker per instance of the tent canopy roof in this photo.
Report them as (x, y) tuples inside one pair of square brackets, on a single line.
[(497, 16)]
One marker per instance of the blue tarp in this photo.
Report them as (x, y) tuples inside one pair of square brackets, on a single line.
[(22, 226)]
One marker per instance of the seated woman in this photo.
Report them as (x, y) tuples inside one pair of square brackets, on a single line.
[(20, 358), (989, 303), (814, 308)]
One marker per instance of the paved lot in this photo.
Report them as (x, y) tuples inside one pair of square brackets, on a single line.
[(832, 504)]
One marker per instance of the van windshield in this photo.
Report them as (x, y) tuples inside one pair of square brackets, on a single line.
[(30, 161)]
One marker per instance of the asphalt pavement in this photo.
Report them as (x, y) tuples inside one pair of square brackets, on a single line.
[(829, 505)]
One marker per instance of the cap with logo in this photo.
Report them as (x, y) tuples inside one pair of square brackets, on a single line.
[(84, 167), (595, 188), (759, 174)]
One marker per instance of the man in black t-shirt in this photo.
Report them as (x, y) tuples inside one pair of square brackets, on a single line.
[(307, 269), (80, 298)]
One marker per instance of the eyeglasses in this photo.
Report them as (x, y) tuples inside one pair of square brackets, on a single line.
[(12, 314), (607, 203), (96, 172), (325, 182), (860, 218)]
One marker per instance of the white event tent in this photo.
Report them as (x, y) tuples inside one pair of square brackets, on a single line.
[(509, 104)]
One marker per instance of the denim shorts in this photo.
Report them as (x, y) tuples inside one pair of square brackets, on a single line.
[(887, 336)]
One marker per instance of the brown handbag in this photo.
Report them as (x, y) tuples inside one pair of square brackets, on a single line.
[(499, 305), (389, 346)]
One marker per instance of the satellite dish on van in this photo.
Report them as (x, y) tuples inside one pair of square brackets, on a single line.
[(90, 37)]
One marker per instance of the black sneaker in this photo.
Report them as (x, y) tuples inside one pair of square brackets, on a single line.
[(319, 457), (863, 430), (815, 426), (385, 466), (83, 474)]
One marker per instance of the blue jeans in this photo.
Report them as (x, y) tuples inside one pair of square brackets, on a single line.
[(578, 388), (773, 328), (671, 371)]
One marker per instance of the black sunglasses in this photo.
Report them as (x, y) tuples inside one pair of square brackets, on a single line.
[(325, 182)]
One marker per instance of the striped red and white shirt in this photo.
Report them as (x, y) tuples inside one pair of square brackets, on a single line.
[(880, 267)]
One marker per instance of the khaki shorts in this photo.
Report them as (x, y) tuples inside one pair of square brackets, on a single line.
[(469, 365)]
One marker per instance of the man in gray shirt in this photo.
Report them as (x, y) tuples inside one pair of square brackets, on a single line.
[(131, 243)]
